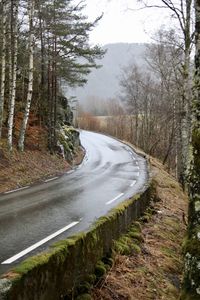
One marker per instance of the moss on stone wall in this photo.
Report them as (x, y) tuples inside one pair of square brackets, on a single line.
[(58, 273), (68, 140)]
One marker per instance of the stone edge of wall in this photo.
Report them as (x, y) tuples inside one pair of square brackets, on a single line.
[(51, 275)]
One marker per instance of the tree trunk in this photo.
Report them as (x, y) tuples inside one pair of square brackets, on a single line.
[(14, 73), (3, 64), (186, 96), (191, 284), (30, 77)]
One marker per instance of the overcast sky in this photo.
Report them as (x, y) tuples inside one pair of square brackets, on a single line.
[(119, 24)]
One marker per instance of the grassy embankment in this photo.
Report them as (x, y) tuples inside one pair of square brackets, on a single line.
[(153, 270), (18, 169)]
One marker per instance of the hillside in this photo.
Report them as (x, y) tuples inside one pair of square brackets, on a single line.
[(104, 82), (155, 272)]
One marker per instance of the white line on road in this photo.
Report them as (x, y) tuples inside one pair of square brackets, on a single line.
[(133, 183), (137, 174), (19, 189), (51, 179), (111, 201), (136, 163), (137, 167), (31, 248), (69, 172), (131, 153)]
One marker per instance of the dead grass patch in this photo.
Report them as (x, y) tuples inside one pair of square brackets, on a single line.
[(21, 169), (156, 272)]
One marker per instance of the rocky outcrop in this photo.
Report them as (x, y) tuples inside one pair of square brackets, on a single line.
[(68, 142)]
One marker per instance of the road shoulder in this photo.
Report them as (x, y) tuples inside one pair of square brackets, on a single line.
[(156, 272)]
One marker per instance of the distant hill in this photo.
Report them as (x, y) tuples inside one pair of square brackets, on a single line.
[(104, 82)]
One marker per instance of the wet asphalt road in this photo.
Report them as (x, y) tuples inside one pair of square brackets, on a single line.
[(31, 219)]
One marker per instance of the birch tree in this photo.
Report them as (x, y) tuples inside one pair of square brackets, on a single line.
[(182, 11), (3, 63), (30, 76), (191, 284), (13, 53)]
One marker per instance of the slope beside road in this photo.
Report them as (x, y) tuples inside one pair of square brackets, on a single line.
[(34, 217)]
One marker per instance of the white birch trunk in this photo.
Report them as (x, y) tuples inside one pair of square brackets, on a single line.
[(187, 94), (185, 123), (3, 64), (30, 77), (13, 69), (191, 283)]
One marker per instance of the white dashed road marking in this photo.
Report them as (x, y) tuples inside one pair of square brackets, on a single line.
[(113, 200), (22, 188), (51, 179), (133, 183)]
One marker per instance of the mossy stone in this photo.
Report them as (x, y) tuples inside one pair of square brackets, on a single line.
[(84, 297), (84, 287), (100, 269)]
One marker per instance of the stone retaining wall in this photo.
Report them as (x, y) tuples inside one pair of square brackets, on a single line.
[(52, 275)]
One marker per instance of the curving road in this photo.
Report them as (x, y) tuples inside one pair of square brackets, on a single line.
[(34, 217)]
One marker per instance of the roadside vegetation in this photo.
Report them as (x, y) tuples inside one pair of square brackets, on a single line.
[(149, 258), (43, 48)]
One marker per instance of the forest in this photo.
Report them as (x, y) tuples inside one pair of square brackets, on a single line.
[(44, 45), (158, 111)]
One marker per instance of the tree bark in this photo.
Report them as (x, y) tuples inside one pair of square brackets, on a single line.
[(3, 64), (30, 77), (191, 284), (14, 72)]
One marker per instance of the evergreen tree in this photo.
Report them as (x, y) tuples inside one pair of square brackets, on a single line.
[(30, 80)]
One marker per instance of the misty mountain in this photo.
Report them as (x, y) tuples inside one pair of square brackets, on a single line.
[(104, 82)]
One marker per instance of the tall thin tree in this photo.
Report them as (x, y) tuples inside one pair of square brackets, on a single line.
[(13, 68), (191, 284), (30, 77), (3, 63)]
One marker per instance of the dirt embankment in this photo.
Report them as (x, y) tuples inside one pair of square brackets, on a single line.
[(21, 169), (156, 272)]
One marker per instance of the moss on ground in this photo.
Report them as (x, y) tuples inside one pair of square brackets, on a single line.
[(156, 271)]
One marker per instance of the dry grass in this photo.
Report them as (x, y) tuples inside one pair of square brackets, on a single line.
[(36, 163), (154, 274)]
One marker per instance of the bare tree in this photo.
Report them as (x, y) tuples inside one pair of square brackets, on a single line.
[(30, 76), (182, 10), (12, 67), (191, 284), (3, 62)]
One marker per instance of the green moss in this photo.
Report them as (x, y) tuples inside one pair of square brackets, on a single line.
[(31, 263), (135, 248), (90, 278), (125, 246), (84, 287), (108, 261), (121, 248), (136, 226), (189, 296), (192, 246), (94, 241), (100, 269), (136, 235), (84, 297), (146, 218)]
